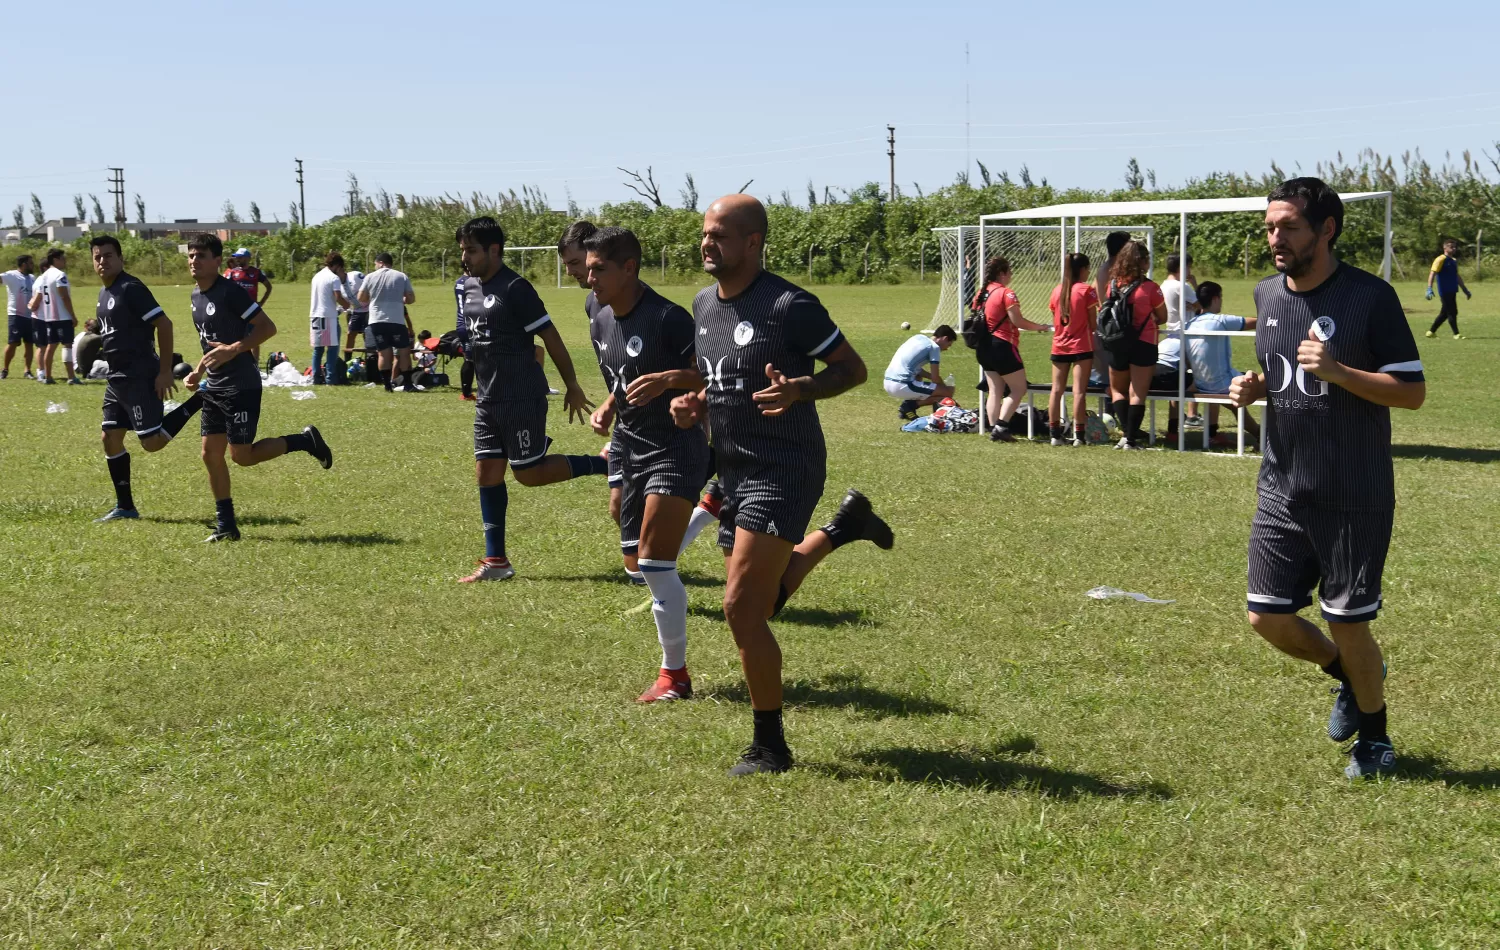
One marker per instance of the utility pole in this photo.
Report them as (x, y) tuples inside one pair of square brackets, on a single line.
[(891, 141), (117, 188), (301, 196)]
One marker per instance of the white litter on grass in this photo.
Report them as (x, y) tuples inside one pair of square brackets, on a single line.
[(285, 374), (304, 394), (1114, 593), (99, 370), (57, 407)]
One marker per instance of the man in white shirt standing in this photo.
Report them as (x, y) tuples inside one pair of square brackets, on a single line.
[(18, 312), (1172, 289), (323, 316), (359, 317), (387, 292), (52, 298)]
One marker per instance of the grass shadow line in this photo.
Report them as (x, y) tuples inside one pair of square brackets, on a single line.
[(353, 540), (1445, 453), (844, 691), (688, 580), (808, 616), (1003, 767), (1433, 768), (207, 521)]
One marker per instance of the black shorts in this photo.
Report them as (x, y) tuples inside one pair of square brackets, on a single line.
[(58, 331), (1068, 359), (1166, 382), (1297, 548), (21, 329), (679, 471), (1134, 353), (359, 321), (38, 331), (233, 411), (774, 499), (615, 475), (515, 430), (132, 403), (1000, 356), (387, 336)]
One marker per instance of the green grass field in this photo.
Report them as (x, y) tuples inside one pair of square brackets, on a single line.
[(316, 738)]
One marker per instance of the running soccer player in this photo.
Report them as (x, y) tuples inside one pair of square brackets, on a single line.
[(140, 376), (1449, 282), (53, 299), (645, 347), (504, 317), (251, 279), (914, 377), (18, 283), (230, 325), (758, 338), (1337, 354)]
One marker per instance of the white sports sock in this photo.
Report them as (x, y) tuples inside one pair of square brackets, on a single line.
[(700, 520), (635, 576), (669, 610), (68, 356)]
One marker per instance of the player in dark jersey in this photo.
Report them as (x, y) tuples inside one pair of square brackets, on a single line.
[(644, 343), (251, 279), (139, 379), (758, 339), (230, 325), (504, 317), (1337, 354)]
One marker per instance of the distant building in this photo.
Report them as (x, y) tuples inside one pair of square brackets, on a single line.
[(56, 231)]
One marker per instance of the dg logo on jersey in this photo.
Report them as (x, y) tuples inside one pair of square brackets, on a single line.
[(633, 346), (744, 333)]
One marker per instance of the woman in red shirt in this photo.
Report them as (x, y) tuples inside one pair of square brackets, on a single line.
[(1000, 357), (1074, 306), (1132, 362)]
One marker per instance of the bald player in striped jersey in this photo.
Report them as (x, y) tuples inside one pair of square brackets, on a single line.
[(759, 340), (1338, 355)]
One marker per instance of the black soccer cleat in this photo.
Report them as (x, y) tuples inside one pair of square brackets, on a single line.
[(856, 519), (907, 411), (320, 449), (233, 534), (1370, 759), (758, 760), (1343, 719)]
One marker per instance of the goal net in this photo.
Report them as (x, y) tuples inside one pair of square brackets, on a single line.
[(540, 265), (1034, 253)]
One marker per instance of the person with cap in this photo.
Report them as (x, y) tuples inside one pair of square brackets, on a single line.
[(250, 278)]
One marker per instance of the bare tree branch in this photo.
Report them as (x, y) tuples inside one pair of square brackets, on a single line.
[(645, 186)]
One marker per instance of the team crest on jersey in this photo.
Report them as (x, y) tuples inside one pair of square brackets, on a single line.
[(110, 305), (744, 333), (489, 301), (210, 309), (1323, 328), (633, 346)]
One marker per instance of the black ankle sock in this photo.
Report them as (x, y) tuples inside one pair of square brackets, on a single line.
[(1120, 409), (1336, 670), (298, 443), (1080, 432), (1055, 431), (119, 473), (581, 465), (768, 732), (1371, 726), (1137, 416), (173, 421), (224, 509)]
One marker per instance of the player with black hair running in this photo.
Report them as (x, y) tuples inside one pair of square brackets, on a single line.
[(140, 377), (1338, 354), (758, 339), (504, 317), (230, 327)]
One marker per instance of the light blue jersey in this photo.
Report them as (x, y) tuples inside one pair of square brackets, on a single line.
[(912, 357), (1209, 355)]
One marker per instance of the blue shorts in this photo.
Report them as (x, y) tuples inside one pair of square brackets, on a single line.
[(21, 329)]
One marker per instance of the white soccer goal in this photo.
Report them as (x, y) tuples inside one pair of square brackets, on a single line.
[(1034, 253), (519, 257)]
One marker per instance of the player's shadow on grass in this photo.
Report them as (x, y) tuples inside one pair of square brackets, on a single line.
[(1010, 765), (1431, 768), (618, 577), (810, 616), (1445, 453), (366, 539), (845, 691), (207, 521)]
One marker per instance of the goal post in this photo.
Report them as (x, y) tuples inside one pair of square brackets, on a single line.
[(1035, 255), (534, 257)]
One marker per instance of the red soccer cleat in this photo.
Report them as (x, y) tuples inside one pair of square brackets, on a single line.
[(465, 397), (669, 685), (713, 498), (490, 569)]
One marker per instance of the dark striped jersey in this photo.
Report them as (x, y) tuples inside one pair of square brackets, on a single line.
[(127, 314), (503, 315), (654, 337), (458, 293), (223, 314), (1324, 445), (772, 322)]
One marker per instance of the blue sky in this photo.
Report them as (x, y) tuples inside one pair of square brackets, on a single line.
[(204, 104)]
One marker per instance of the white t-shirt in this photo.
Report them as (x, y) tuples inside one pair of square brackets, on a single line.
[(387, 288), (324, 283), (1170, 288), (355, 281), (53, 308), (18, 293)]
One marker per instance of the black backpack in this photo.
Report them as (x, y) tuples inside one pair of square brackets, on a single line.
[(1116, 321), (975, 331)]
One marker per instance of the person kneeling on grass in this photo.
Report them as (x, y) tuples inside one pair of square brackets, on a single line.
[(1209, 357), (913, 375)]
